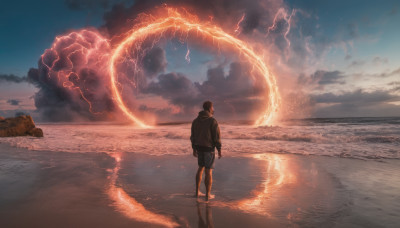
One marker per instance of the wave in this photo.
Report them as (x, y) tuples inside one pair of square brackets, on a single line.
[(350, 120), (311, 138), (369, 142)]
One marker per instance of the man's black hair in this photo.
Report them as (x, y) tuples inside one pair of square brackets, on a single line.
[(207, 105)]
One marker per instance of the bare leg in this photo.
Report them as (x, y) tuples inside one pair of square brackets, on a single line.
[(198, 179), (208, 182)]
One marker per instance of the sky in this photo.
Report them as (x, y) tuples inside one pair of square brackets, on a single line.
[(351, 66)]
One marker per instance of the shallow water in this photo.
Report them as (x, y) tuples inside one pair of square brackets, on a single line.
[(364, 138)]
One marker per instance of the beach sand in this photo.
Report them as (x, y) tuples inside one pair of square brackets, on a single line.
[(57, 189)]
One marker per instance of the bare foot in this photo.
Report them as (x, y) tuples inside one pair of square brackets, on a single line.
[(197, 194), (211, 196)]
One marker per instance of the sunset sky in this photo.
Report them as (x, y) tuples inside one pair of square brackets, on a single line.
[(344, 54)]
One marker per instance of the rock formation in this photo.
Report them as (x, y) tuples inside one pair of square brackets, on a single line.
[(19, 126)]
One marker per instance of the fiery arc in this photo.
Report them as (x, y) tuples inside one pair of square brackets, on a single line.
[(185, 23)]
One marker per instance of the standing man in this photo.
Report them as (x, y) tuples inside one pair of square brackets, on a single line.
[(205, 138)]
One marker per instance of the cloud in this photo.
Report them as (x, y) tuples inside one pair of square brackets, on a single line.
[(321, 78), (13, 102), (353, 110), (394, 83), (379, 61), (73, 85), (225, 13), (388, 74), (235, 95), (373, 76), (176, 88), (236, 84), (154, 61), (375, 61), (395, 86), (292, 44), (12, 78), (357, 97), (58, 103), (251, 21), (357, 103), (347, 57), (68, 88), (314, 44), (295, 43), (356, 63), (18, 112), (328, 77)]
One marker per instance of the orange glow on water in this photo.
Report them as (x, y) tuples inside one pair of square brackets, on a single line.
[(184, 23), (277, 175), (129, 206)]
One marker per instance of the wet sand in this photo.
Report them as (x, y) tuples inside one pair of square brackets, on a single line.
[(56, 189)]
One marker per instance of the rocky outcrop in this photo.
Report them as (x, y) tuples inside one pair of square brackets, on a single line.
[(19, 126)]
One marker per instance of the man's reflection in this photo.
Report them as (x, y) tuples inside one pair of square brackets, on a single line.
[(209, 221)]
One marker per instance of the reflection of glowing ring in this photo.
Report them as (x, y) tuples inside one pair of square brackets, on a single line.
[(176, 21)]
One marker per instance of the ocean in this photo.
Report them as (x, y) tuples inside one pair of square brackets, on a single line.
[(362, 138)]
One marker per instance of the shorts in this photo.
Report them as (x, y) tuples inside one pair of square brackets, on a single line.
[(206, 159)]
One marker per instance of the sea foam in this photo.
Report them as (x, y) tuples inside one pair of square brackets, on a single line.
[(357, 139)]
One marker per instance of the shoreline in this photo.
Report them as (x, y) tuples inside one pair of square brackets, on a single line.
[(65, 189)]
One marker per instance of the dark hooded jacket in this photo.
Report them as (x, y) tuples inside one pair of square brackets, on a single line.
[(205, 133)]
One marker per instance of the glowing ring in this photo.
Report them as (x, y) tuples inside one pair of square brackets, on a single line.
[(179, 22)]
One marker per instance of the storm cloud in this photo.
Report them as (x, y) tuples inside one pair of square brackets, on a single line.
[(121, 17), (14, 102), (321, 78), (291, 37), (357, 103), (73, 85), (12, 78), (234, 94), (357, 97), (154, 61), (176, 88)]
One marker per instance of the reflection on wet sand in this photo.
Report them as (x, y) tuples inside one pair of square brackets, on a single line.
[(208, 223), (129, 206), (276, 175)]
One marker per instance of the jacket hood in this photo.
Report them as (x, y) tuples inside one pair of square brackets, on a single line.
[(204, 114)]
